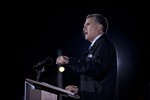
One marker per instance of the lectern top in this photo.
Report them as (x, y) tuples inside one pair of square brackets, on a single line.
[(51, 88)]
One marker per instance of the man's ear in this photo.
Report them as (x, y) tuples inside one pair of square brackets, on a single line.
[(100, 26)]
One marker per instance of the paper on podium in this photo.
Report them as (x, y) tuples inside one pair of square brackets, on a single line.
[(51, 88)]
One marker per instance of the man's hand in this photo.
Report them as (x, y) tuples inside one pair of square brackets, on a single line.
[(72, 88), (62, 60)]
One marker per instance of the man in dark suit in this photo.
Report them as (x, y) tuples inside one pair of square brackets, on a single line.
[(98, 67)]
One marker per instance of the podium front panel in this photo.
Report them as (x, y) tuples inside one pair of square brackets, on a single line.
[(37, 94)]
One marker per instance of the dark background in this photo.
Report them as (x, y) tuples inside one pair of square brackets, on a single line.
[(32, 32)]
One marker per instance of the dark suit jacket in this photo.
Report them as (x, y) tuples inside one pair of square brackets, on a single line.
[(98, 70)]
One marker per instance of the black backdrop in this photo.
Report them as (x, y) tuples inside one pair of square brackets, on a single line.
[(33, 32)]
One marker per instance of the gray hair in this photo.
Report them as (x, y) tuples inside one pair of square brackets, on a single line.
[(101, 20)]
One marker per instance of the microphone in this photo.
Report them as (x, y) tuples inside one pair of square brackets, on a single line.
[(46, 61)]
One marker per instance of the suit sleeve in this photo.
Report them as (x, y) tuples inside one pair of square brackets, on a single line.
[(99, 64)]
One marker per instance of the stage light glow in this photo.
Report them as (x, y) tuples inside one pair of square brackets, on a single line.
[(61, 69)]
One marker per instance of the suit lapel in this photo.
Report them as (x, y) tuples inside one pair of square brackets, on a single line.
[(97, 42), (89, 52)]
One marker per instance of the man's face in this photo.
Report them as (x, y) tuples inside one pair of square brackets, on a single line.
[(91, 29)]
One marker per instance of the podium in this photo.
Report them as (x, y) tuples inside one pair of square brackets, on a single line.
[(35, 90)]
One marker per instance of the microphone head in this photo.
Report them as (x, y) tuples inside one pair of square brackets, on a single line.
[(46, 62)]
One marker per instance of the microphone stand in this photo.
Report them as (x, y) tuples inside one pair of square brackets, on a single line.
[(39, 67), (38, 72)]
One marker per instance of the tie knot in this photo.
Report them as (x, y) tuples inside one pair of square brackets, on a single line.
[(90, 46)]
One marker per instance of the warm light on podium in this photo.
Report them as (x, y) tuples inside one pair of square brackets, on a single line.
[(61, 69)]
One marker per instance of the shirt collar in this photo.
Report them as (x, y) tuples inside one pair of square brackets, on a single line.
[(95, 39)]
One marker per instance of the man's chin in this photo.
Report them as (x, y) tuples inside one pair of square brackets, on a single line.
[(86, 38)]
